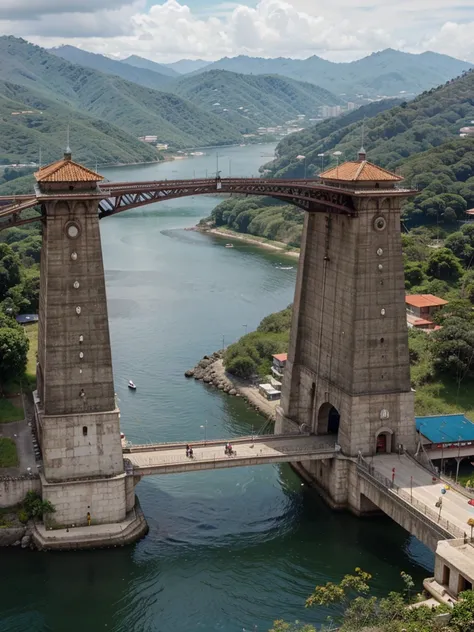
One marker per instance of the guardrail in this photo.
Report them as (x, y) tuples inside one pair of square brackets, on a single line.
[(148, 447), (202, 457), (434, 517)]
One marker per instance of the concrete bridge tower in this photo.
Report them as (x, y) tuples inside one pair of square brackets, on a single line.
[(78, 421), (348, 370)]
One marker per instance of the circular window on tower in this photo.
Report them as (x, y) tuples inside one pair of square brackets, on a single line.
[(380, 223), (73, 230)]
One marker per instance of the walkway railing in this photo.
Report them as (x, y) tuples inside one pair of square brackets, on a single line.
[(369, 471)]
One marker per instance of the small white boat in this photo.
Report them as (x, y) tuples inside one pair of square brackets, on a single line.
[(229, 245), (132, 385)]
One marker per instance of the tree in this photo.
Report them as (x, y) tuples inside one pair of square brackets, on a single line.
[(453, 348), (14, 347), (414, 274), (442, 264), (460, 245), (241, 366), (9, 269)]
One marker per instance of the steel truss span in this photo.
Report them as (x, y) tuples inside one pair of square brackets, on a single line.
[(113, 198)]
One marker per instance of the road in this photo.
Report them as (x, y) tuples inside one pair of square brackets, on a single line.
[(455, 507)]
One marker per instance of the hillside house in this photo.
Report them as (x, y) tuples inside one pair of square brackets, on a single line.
[(421, 309)]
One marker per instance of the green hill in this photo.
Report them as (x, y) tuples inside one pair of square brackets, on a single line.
[(92, 139), (386, 73), (142, 76), (433, 118), (249, 102), (136, 109)]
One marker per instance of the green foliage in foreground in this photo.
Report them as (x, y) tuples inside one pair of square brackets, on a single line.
[(35, 507), (252, 354), (8, 453), (388, 614)]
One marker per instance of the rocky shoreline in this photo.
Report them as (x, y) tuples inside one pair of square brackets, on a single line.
[(211, 371)]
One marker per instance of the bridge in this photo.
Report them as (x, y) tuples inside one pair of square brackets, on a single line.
[(346, 393), (170, 458)]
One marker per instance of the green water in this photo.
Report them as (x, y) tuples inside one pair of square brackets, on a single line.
[(227, 550)]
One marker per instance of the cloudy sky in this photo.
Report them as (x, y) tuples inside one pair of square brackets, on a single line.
[(167, 30)]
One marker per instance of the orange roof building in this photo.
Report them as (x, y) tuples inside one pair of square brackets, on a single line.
[(67, 172), (424, 300), (360, 172)]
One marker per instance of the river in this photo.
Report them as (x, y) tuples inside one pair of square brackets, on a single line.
[(227, 550)]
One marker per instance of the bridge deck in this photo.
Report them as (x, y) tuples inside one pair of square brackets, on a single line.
[(416, 482), (171, 458)]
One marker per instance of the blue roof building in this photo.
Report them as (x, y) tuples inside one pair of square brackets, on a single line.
[(445, 428)]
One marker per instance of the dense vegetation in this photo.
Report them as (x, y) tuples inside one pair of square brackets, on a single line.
[(429, 121), (262, 217), (387, 614), (249, 101), (93, 139), (388, 72), (252, 354), (135, 109)]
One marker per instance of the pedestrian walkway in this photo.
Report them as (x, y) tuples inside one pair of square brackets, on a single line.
[(416, 483)]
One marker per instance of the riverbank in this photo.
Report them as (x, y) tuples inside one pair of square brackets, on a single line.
[(211, 371), (294, 253)]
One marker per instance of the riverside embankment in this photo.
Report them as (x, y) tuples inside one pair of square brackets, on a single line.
[(211, 371)]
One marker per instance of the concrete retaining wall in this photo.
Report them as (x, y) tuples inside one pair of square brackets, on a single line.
[(104, 499), (13, 491)]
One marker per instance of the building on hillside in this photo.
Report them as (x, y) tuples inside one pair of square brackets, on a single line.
[(446, 440), (269, 392), (421, 309), (278, 364)]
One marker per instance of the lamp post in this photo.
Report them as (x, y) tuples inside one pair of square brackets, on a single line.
[(322, 161), (245, 327), (459, 458), (411, 489), (230, 167)]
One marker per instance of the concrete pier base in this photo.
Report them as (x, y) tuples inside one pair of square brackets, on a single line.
[(130, 530)]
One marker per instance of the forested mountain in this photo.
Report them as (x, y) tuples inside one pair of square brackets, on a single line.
[(249, 101), (184, 66), (430, 120), (143, 77), (147, 64), (45, 124), (136, 109), (386, 73)]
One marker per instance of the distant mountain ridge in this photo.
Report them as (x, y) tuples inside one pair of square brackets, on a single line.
[(386, 73), (185, 66), (135, 109), (142, 76), (147, 64)]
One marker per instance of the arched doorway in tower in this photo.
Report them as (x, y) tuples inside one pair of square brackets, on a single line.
[(328, 420), (383, 441)]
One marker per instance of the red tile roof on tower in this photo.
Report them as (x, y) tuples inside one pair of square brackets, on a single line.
[(66, 170), (424, 300), (360, 171)]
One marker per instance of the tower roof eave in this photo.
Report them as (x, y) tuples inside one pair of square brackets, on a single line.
[(67, 171), (360, 171)]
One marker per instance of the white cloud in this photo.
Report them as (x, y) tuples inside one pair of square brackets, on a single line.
[(453, 39), (170, 29)]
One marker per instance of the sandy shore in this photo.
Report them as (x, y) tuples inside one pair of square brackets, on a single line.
[(250, 239)]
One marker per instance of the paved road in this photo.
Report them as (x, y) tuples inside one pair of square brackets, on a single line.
[(258, 450), (455, 506)]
